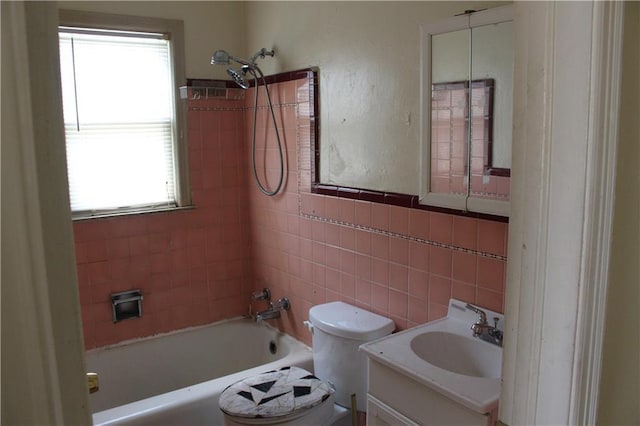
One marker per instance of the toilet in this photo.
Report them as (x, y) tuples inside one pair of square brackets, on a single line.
[(294, 396)]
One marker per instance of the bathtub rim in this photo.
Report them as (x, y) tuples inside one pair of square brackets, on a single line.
[(192, 328), (301, 355)]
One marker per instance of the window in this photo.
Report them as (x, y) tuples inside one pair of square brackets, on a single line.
[(122, 119)]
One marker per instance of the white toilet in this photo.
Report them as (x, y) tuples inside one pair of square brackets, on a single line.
[(293, 396)]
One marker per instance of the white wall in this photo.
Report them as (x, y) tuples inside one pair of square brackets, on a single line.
[(620, 383), (369, 59), (208, 26)]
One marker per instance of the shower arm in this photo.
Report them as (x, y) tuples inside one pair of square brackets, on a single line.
[(252, 62), (243, 61), (261, 54), (222, 57)]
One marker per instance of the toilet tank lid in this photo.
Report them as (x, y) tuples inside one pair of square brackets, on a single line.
[(344, 320)]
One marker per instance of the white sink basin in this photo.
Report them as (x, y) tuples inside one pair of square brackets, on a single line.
[(458, 354), (444, 356)]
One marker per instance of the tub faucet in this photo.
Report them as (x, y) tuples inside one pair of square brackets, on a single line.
[(274, 309), (264, 294), (483, 330)]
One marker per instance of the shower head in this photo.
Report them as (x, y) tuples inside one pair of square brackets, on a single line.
[(220, 57), (238, 76)]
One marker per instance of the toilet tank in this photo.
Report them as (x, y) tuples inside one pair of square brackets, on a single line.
[(338, 330)]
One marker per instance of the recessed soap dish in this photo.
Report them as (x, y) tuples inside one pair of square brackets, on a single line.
[(126, 304)]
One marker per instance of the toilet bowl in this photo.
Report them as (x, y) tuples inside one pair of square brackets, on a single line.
[(294, 396)]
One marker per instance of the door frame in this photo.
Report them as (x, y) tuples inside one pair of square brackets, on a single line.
[(566, 101), (43, 372)]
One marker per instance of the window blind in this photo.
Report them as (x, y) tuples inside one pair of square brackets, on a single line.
[(119, 119)]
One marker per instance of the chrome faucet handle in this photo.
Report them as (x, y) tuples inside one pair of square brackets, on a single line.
[(483, 316), (495, 333), (263, 294), (281, 304)]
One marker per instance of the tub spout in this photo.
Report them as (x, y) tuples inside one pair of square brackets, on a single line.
[(267, 315), (274, 310)]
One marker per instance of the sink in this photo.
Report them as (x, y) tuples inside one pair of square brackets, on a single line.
[(444, 356), (458, 354)]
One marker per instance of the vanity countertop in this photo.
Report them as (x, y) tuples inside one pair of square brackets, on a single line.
[(480, 394)]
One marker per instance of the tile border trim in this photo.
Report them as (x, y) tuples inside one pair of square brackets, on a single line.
[(402, 236), (395, 199)]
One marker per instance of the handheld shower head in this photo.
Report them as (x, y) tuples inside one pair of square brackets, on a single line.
[(238, 76)]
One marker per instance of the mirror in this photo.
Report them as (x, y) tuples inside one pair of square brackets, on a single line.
[(467, 112)]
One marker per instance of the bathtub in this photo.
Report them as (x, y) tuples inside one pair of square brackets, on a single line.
[(177, 378)]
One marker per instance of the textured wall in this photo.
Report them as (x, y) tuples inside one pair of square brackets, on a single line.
[(369, 59)]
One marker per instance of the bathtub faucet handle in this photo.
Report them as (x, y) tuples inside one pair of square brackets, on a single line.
[(281, 304), (263, 294)]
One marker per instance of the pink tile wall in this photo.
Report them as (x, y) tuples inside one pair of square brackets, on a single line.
[(192, 265), (449, 144), (399, 262), (200, 265), (448, 140)]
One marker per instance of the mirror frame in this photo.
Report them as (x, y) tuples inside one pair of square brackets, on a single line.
[(427, 30)]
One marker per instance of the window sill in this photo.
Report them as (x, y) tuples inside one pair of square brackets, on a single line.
[(108, 214)]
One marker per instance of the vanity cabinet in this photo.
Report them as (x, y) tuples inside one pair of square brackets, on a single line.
[(394, 398), (380, 414)]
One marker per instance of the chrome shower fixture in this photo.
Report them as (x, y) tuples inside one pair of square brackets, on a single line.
[(261, 54), (222, 57), (238, 76)]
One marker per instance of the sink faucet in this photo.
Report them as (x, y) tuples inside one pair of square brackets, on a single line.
[(274, 309), (483, 330)]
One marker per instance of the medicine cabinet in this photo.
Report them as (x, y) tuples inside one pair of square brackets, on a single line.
[(466, 111)]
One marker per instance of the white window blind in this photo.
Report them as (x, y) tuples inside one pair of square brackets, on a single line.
[(119, 119)]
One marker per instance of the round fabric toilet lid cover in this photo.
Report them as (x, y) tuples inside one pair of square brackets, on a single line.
[(274, 394)]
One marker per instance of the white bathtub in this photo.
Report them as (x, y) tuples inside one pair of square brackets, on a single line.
[(177, 378)]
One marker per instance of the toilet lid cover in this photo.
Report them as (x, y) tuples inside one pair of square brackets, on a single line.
[(274, 394)]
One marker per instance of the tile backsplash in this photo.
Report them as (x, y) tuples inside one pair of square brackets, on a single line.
[(200, 265)]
